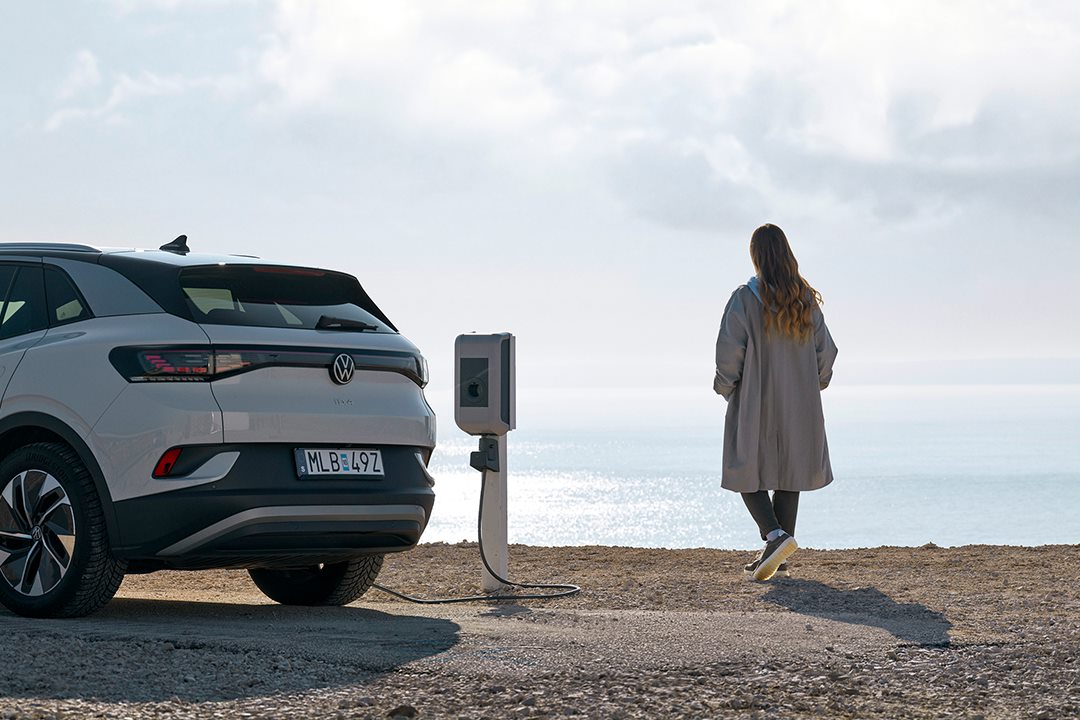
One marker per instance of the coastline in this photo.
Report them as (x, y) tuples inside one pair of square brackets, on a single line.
[(975, 631)]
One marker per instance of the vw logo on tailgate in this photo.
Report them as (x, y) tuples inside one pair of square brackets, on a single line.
[(343, 368)]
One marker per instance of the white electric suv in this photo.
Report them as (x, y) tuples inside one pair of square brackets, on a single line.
[(165, 409)]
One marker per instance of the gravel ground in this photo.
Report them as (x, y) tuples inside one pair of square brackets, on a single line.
[(969, 632)]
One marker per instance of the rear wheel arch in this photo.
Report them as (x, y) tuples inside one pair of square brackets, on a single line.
[(24, 428)]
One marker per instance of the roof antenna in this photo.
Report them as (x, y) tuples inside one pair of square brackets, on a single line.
[(178, 246)]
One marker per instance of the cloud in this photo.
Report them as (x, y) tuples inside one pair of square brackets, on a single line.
[(688, 190), (390, 61), (689, 113), (611, 64), (811, 97), (84, 75), (125, 7), (127, 89)]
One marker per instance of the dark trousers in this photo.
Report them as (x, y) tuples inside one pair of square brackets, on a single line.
[(769, 514)]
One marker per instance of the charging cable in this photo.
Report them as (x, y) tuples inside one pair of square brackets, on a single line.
[(564, 589)]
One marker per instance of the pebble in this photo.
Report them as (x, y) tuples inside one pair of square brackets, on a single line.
[(739, 703)]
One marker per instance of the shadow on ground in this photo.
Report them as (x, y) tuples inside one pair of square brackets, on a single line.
[(140, 650), (912, 622)]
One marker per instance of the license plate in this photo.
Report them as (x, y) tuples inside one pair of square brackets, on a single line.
[(357, 462)]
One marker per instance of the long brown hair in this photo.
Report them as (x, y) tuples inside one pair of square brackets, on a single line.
[(788, 299)]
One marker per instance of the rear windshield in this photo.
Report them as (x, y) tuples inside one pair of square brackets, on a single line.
[(279, 297)]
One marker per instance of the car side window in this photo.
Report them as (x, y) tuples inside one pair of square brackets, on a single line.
[(24, 309), (66, 305)]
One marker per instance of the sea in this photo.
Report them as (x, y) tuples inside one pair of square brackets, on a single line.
[(913, 464)]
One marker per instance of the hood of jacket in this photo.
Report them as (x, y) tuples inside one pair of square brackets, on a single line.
[(754, 284)]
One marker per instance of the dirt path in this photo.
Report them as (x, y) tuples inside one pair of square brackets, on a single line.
[(886, 632)]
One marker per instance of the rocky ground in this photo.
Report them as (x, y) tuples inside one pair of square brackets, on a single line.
[(968, 632)]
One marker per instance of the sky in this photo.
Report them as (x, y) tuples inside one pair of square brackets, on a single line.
[(586, 175)]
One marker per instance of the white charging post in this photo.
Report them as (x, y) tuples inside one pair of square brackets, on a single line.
[(484, 405)]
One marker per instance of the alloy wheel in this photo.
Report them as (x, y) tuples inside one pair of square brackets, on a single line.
[(37, 533)]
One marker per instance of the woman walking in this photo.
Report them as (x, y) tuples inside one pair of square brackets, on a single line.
[(774, 356)]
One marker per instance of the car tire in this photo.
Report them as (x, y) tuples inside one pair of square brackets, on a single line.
[(329, 584), (55, 559)]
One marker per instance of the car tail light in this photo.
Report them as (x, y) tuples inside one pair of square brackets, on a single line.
[(167, 462), (177, 364), (183, 363), (422, 370), (165, 364), (201, 363)]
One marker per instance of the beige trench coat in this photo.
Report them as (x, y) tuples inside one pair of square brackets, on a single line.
[(774, 431)]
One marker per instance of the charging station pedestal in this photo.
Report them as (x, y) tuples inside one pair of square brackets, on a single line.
[(490, 460), (484, 405)]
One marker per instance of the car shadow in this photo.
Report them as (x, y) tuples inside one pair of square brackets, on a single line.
[(140, 650), (910, 622)]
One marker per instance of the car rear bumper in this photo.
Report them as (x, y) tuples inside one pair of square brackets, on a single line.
[(260, 514)]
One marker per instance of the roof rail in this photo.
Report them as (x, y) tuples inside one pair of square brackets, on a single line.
[(63, 247)]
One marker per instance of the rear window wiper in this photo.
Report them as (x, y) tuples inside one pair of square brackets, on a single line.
[(326, 322)]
